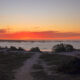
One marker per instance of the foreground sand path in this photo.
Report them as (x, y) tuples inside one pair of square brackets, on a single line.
[(24, 72)]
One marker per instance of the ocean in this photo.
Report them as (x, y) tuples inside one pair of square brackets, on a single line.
[(44, 45)]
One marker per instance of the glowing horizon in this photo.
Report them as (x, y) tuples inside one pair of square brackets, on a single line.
[(38, 35), (31, 19)]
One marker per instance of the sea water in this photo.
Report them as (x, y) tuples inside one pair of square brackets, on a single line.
[(43, 45)]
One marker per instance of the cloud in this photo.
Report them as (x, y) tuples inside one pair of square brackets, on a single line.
[(3, 31), (39, 35)]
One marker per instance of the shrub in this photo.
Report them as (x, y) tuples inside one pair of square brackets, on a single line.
[(59, 48), (69, 48), (21, 49), (5, 76), (71, 67), (37, 66), (13, 48), (36, 49), (62, 48)]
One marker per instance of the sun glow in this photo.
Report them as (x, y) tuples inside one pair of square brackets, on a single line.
[(40, 19)]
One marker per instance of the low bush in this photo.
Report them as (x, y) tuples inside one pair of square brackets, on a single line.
[(37, 66), (62, 48), (36, 49), (71, 67), (20, 49), (13, 48), (68, 48), (10, 62)]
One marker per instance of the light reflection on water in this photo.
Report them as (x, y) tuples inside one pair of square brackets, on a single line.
[(44, 45)]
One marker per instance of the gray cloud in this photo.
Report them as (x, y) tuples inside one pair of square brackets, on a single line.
[(3, 30)]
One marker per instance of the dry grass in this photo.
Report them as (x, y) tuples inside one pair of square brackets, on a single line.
[(55, 61), (9, 62)]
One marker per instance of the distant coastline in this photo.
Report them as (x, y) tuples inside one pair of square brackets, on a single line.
[(2, 40)]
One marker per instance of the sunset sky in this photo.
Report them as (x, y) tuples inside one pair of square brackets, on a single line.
[(39, 19)]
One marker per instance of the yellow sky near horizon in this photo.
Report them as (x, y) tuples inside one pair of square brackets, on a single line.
[(61, 28), (22, 16)]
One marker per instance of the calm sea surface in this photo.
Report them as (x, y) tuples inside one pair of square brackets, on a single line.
[(43, 45)]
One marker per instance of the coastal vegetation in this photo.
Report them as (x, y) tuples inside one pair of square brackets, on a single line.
[(62, 66), (39, 73), (62, 48), (35, 49), (10, 61), (57, 64), (71, 67)]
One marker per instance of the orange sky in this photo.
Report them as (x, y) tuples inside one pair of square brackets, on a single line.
[(39, 19), (42, 35)]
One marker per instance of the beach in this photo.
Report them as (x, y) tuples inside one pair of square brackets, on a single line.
[(27, 65)]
